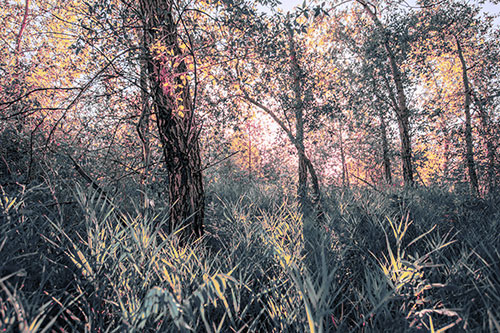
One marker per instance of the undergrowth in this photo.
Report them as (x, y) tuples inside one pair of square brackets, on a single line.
[(401, 260)]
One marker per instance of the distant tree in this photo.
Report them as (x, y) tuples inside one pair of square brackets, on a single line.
[(455, 37), (277, 72), (390, 42)]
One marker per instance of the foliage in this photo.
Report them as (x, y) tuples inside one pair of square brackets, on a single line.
[(260, 267), (238, 95)]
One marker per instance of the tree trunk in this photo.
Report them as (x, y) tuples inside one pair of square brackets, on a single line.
[(305, 164), (386, 157), (487, 137), (316, 197), (402, 112), (302, 185), (249, 152), (385, 149), (300, 151), (446, 154), (142, 126), (406, 154), (175, 118), (345, 175), (469, 152)]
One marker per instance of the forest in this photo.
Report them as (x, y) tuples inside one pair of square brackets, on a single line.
[(231, 166)]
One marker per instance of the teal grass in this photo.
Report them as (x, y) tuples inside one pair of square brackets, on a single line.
[(396, 260)]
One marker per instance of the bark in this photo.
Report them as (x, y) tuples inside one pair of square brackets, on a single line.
[(385, 149), (296, 74), (406, 153), (469, 152), (316, 196), (143, 126), (302, 185), (488, 139), (345, 174), (402, 112), (175, 118)]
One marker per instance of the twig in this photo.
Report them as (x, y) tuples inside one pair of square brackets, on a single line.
[(209, 165), (368, 183), (89, 179)]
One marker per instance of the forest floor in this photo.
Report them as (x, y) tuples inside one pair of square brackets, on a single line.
[(394, 260)]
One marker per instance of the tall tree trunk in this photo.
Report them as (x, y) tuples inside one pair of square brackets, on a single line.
[(488, 140), (385, 149), (300, 151), (143, 125), (406, 153), (305, 164), (469, 152), (345, 174), (316, 196), (402, 112), (296, 73), (175, 118), (302, 185), (386, 157), (446, 154), (249, 151)]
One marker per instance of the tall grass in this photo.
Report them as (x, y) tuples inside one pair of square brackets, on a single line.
[(396, 261)]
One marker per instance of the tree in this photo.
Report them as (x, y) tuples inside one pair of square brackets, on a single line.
[(457, 51), (175, 115), (287, 88), (400, 99), (361, 83), (469, 153)]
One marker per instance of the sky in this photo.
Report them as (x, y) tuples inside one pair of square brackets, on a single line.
[(490, 8)]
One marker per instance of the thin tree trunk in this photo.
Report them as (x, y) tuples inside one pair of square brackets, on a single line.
[(249, 153), (143, 126), (406, 153), (386, 157), (385, 149), (316, 196), (296, 73), (469, 152), (402, 112), (305, 164), (21, 29), (487, 137), (302, 185), (446, 158), (175, 119), (345, 175)]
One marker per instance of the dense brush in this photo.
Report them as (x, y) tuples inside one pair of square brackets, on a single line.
[(407, 260)]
